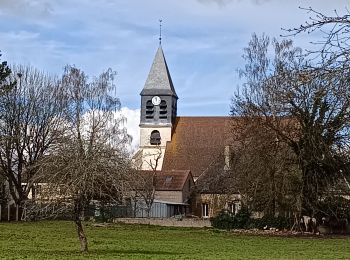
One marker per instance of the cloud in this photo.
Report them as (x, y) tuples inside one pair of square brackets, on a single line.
[(127, 119), (132, 125), (202, 40), (31, 8)]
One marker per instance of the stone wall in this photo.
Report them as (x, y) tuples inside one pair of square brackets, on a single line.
[(167, 222)]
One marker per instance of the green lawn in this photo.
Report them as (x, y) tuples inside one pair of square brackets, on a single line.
[(57, 240)]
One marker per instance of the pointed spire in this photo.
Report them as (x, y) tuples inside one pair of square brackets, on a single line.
[(159, 80)]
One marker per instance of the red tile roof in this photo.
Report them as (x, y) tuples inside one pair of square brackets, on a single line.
[(173, 180), (196, 144)]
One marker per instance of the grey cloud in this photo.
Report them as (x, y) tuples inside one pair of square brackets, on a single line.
[(29, 8)]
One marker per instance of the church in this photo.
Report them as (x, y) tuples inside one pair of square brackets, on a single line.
[(189, 156)]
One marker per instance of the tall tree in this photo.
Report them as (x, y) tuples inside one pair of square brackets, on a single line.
[(264, 169), (5, 85), (30, 114), (307, 107), (91, 162), (5, 82)]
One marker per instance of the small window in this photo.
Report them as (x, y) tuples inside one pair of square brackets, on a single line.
[(205, 210), (233, 207), (155, 138)]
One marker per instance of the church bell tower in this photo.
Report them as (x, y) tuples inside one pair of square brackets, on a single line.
[(158, 113)]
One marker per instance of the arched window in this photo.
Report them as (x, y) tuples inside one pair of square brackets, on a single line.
[(163, 110), (149, 109), (155, 137)]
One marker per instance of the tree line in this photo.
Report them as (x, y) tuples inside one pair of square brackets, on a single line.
[(61, 141), (294, 110)]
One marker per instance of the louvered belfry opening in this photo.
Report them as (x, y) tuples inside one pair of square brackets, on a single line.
[(149, 109), (163, 112)]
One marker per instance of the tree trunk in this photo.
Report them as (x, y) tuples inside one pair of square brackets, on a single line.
[(8, 211), (309, 193), (17, 212), (81, 235), (148, 210), (272, 202)]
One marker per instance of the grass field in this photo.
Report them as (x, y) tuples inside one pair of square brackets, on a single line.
[(57, 240)]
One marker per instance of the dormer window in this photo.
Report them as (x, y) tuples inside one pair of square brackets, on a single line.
[(155, 138), (168, 179), (163, 110), (149, 109)]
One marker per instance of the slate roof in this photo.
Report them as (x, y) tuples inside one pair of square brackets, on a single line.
[(196, 144), (159, 80)]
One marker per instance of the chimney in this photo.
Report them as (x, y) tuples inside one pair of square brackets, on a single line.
[(227, 157)]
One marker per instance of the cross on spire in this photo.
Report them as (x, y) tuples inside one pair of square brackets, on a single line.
[(160, 31)]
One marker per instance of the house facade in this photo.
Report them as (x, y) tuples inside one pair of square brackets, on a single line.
[(172, 197)]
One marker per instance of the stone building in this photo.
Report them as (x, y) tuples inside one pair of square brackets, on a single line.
[(171, 143)]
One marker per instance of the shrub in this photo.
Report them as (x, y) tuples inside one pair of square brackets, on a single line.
[(224, 220), (337, 207), (334, 212), (242, 218), (274, 222)]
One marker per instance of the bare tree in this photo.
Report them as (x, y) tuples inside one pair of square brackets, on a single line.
[(30, 125), (147, 180), (306, 107), (332, 48), (91, 162), (6, 84), (264, 169)]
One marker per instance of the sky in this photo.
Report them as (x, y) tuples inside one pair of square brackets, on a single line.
[(203, 42)]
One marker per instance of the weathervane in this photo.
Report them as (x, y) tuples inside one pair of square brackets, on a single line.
[(160, 31)]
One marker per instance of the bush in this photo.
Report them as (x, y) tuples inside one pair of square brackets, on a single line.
[(334, 212), (337, 207), (273, 222), (242, 220), (226, 220)]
